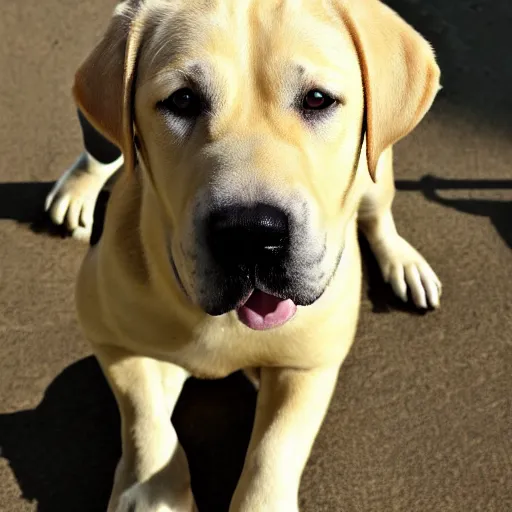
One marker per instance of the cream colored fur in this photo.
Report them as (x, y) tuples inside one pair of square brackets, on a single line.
[(149, 335)]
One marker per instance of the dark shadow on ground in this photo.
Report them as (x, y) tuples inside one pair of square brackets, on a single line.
[(499, 212), (470, 38), (23, 202), (63, 453)]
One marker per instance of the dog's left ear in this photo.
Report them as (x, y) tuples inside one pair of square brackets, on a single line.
[(103, 87), (399, 71)]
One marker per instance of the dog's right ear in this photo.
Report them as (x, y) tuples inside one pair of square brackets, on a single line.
[(103, 87), (399, 71)]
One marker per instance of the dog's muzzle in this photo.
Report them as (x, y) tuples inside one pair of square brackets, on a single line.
[(250, 245)]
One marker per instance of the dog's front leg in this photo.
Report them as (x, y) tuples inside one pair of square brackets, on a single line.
[(290, 409), (402, 266), (72, 199), (152, 475)]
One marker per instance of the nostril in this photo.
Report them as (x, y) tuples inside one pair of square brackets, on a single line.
[(248, 234)]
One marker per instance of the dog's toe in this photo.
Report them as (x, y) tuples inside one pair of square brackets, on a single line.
[(58, 208)]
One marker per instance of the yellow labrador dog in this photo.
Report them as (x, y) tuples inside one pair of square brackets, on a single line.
[(257, 136)]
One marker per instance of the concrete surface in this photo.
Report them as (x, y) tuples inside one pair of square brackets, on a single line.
[(422, 416)]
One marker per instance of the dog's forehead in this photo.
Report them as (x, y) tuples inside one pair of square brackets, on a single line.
[(247, 33)]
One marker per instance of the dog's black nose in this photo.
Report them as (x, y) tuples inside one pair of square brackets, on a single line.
[(248, 235)]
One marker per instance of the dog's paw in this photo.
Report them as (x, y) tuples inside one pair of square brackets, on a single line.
[(259, 503), (144, 498), (72, 200), (166, 490), (405, 269)]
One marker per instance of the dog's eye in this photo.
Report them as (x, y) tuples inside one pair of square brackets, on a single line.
[(317, 100), (183, 103)]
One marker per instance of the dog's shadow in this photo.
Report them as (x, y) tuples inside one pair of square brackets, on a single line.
[(499, 212), (63, 453)]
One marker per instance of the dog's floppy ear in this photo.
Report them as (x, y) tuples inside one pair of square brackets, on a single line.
[(399, 71), (103, 83)]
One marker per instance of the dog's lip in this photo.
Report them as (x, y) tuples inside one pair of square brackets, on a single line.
[(177, 276), (260, 310), (244, 300)]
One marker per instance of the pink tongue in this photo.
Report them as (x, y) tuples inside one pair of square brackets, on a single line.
[(264, 311)]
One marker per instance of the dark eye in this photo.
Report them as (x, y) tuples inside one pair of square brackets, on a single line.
[(183, 103), (317, 100)]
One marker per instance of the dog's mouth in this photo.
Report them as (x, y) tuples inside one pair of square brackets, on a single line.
[(261, 311), (257, 309)]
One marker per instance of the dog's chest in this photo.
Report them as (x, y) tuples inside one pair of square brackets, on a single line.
[(216, 352)]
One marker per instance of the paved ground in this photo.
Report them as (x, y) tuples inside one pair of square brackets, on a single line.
[(422, 417)]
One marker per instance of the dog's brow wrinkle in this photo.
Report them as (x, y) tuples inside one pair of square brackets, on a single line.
[(157, 52)]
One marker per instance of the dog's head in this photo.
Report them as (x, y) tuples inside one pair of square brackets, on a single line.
[(247, 120)]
